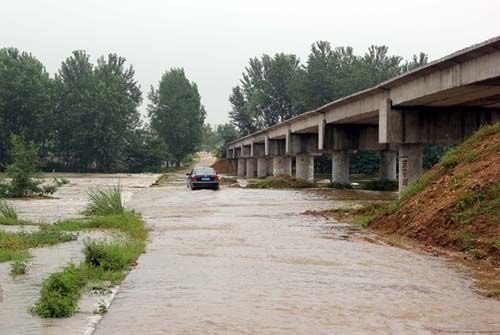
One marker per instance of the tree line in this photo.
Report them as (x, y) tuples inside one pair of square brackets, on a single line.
[(275, 88), (87, 118)]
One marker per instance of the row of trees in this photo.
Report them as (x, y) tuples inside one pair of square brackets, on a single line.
[(275, 88), (86, 117)]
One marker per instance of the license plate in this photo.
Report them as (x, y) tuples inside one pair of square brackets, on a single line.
[(205, 179)]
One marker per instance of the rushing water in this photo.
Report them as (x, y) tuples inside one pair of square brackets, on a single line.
[(241, 261), (18, 294)]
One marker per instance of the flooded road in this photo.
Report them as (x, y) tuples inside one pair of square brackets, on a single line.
[(246, 261), (241, 261), (18, 294)]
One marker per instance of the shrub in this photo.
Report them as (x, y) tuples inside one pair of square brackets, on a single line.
[(105, 201), (382, 185), (60, 293), (109, 256), (18, 268), (282, 181), (7, 211), (340, 186)]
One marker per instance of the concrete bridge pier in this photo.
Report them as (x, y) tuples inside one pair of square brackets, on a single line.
[(340, 166), (410, 163), (261, 167), (282, 165), (269, 166), (388, 163), (241, 167), (304, 166), (251, 168)]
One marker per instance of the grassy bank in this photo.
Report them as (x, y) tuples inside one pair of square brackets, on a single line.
[(455, 205), (15, 246), (281, 182), (104, 260)]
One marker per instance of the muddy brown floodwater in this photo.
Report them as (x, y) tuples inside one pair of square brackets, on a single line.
[(245, 261), (241, 261)]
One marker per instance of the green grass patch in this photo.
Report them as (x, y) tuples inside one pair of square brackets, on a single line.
[(15, 246), (474, 203), (282, 182), (7, 255), (424, 181), (129, 223), (104, 261), (467, 152), (105, 201), (365, 215), (113, 256)]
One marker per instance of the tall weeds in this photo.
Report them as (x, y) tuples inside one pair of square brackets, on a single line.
[(7, 211), (105, 201)]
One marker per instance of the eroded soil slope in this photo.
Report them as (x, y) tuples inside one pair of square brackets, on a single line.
[(457, 203)]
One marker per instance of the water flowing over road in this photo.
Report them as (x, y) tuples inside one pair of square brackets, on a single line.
[(246, 261), (241, 261)]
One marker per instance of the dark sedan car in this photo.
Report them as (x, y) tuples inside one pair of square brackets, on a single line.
[(203, 177)]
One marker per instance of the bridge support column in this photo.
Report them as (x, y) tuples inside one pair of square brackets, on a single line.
[(251, 167), (282, 165), (388, 159), (340, 166), (241, 167), (304, 167), (410, 164), (261, 167), (269, 166)]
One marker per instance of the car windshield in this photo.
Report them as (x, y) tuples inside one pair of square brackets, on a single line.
[(204, 171)]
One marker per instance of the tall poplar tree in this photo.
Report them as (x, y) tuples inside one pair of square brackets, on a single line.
[(176, 113)]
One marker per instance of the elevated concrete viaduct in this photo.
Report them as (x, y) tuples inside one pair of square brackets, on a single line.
[(440, 103)]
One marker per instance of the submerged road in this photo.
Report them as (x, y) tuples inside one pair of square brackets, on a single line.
[(240, 261)]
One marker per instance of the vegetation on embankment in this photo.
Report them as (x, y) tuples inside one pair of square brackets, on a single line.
[(455, 205), (104, 260), (281, 182)]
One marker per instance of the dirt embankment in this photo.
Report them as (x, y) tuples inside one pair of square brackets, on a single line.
[(455, 205), (224, 166)]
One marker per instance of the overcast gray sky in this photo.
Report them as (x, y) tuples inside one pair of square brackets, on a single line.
[(213, 40)]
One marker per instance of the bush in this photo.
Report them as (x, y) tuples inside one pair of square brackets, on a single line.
[(7, 211), (283, 181), (340, 186), (18, 268), (382, 185), (109, 256), (22, 172), (60, 293), (105, 201)]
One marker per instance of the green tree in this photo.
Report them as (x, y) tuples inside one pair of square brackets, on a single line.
[(227, 132), (25, 101), (118, 97), (145, 151), (268, 93), (210, 138), (97, 109), (177, 114)]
